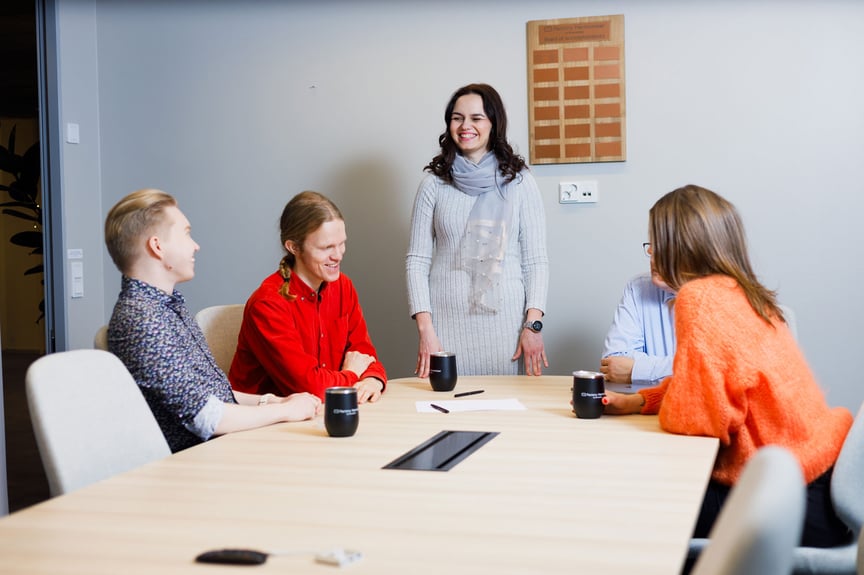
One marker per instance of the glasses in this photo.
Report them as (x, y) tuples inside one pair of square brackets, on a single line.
[(646, 247)]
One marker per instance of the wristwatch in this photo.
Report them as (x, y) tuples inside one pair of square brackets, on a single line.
[(534, 326)]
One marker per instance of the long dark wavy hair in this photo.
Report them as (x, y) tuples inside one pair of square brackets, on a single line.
[(696, 233), (509, 162)]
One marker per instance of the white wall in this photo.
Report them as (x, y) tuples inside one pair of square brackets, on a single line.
[(236, 106)]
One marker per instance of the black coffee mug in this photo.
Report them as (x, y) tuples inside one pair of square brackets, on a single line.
[(340, 411), (442, 370), (588, 394)]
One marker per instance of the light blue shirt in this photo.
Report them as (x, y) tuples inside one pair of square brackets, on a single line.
[(643, 329)]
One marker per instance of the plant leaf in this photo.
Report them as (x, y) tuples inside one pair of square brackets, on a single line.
[(19, 195), (7, 162), (27, 239), (31, 168), (23, 216), (12, 140)]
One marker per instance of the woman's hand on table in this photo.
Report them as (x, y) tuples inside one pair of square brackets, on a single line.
[(623, 403), (300, 406)]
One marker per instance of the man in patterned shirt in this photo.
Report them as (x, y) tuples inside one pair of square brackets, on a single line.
[(158, 340)]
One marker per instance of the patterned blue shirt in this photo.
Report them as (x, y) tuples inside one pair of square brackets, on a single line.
[(163, 348)]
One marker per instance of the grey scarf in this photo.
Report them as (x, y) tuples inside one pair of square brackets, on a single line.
[(485, 240)]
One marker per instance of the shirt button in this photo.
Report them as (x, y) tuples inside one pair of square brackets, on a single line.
[(323, 365)]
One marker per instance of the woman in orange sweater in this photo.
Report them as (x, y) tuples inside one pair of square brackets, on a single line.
[(738, 373)]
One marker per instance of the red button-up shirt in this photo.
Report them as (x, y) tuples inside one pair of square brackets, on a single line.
[(292, 346)]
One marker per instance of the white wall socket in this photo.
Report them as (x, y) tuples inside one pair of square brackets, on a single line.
[(582, 192)]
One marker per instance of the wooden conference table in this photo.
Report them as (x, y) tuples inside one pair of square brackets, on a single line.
[(550, 494)]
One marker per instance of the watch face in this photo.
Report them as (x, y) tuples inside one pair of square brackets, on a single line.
[(537, 326)]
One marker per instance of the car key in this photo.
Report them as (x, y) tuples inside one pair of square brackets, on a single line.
[(233, 556)]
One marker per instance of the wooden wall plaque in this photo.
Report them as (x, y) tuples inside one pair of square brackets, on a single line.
[(576, 90)]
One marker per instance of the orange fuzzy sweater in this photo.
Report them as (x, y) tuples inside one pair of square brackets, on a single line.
[(745, 382)]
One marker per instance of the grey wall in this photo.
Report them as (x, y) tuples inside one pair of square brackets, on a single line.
[(236, 106), (81, 177)]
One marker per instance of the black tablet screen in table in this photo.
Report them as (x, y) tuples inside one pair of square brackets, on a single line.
[(443, 451)]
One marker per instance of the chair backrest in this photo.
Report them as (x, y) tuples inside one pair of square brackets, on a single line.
[(90, 419), (848, 501), (791, 320), (846, 493), (761, 521), (100, 341), (221, 326)]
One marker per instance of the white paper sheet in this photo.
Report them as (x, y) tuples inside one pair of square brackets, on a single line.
[(457, 405)]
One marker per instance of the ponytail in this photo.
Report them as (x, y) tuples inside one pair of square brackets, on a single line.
[(285, 272)]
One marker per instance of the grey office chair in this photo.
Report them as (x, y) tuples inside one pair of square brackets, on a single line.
[(221, 326), (791, 320), (847, 496), (90, 419), (760, 523), (100, 341)]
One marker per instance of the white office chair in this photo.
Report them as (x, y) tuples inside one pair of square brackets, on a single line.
[(100, 341), (221, 327), (90, 419), (761, 521), (847, 496)]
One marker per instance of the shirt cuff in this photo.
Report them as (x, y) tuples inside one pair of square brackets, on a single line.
[(205, 422)]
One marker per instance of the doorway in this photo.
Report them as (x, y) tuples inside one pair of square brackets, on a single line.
[(22, 288)]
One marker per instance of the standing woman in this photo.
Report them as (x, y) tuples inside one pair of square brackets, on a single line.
[(477, 268), (303, 329), (738, 373)]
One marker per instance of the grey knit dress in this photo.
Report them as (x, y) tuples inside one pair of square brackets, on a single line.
[(484, 343)]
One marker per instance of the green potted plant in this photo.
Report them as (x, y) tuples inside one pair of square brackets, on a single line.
[(23, 201)]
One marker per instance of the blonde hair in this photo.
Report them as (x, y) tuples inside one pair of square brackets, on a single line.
[(303, 214), (130, 221), (697, 233)]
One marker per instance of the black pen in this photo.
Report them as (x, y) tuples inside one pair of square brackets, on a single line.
[(464, 393), (439, 408)]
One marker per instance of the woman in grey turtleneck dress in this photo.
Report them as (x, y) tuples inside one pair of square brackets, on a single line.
[(477, 268)]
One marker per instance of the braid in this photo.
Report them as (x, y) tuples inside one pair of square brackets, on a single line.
[(285, 271)]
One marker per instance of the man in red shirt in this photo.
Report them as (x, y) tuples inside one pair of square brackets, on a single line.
[(303, 329)]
